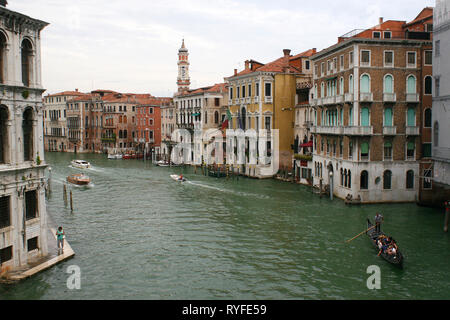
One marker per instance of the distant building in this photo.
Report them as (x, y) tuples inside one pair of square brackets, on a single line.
[(441, 102), (371, 92), (23, 214), (168, 125)]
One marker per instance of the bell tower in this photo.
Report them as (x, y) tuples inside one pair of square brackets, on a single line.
[(183, 80)]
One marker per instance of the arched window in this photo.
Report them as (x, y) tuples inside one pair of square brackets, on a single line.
[(27, 128), (411, 117), (410, 179), (206, 117), (26, 51), (2, 57), (365, 83), (349, 181), (216, 117), (428, 85), (428, 118), (364, 183), (341, 86), (322, 90), (388, 84), (387, 177), (120, 134), (345, 177), (125, 133), (411, 84), (243, 118), (4, 149), (436, 134), (388, 117), (365, 117)]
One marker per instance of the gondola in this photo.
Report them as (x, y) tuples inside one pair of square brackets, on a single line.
[(396, 259)]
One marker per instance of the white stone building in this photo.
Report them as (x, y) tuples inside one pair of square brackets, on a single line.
[(23, 217), (441, 100)]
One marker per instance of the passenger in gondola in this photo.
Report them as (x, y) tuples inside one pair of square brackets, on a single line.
[(384, 247)]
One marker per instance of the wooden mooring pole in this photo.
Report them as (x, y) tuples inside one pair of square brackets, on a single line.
[(447, 215), (65, 195), (71, 203)]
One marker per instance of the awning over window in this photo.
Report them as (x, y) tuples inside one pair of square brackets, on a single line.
[(307, 145), (196, 114)]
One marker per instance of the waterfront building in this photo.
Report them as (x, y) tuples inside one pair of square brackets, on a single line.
[(55, 120), (23, 215), (263, 96), (77, 111), (168, 125), (441, 103), (370, 93)]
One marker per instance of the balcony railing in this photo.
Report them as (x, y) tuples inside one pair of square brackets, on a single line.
[(230, 102), (255, 99), (348, 97), (390, 130), (340, 99), (358, 131), (308, 124), (329, 100), (366, 96), (389, 97), (327, 130), (248, 100), (313, 102), (412, 97), (268, 99), (412, 131)]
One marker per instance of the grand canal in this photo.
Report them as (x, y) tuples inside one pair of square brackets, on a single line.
[(137, 234)]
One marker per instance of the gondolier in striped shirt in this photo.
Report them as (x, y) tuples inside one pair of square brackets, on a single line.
[(378, 220)]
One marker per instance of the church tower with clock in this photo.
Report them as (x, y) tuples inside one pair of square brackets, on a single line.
[(183, 80)]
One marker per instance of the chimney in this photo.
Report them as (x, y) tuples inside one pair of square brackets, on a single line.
[(76, 90), (235, 72), (246, 64), (287, 52), (381, 20)]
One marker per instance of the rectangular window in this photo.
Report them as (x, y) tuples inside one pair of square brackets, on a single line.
[(387, 34), (427, 184), (267, 123), (322, 68), (437, 48), (365, 57), (216, 102), (6, 254), (341, 60), (350, 59), (5, 212), (243, 91), (307, 64), (428, 57), (32, 244), (437, 84), (268, 89), (31, 204), (257, 90), (249, 90), (231, 93), (411, 60), (376, 34), (389, 58), (426, 150)]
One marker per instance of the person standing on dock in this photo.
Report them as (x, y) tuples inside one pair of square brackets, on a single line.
[(60, 238), (378, 220)]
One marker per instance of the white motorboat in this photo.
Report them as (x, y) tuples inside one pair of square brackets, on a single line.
[(82, 164), (114, 156), (177, 178)]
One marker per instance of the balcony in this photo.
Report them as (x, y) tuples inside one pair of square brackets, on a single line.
[(255, 99), (412, 131), (358, 131), (412, 97), (319, 101), (389, 97), (348, 97), (108, 140), (308, 124), (329, 100), (327, 130), (366, 97), (236, 101), (313, 102), (268, 100), (340, 99), (390, 131), (230, 102), (242, 100), (248, 100)]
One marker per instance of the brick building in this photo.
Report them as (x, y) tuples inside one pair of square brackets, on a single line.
[(370, 94)]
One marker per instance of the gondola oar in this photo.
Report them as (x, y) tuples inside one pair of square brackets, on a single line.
[(360, 234)]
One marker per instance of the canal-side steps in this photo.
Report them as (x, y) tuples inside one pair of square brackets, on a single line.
[(42, 263)]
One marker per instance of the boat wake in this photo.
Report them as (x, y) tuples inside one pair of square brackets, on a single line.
[(244, 194)]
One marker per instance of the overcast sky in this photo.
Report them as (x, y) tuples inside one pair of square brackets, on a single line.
[(132, 45)]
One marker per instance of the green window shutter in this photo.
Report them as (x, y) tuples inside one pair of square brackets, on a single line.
[(388, 117), (426, 147), (350, 121), (411, 145), (350, 88), (365, 117), (411, 118), (388, 84), (365, 84), (411, 88), (364, 147), (388, 144)]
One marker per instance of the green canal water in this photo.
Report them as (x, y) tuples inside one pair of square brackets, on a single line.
[(138, 234)]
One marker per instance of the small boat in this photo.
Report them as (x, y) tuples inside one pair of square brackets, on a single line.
[(114, 156), (79, 179), (395, 259), (80, 164), (177, 178)]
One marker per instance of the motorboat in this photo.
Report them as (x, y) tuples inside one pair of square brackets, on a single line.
[(176, 177), (82, 164), (79, 179), (114, 156)]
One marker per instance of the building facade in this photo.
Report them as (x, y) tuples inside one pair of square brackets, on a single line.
[(441, 102), (368, 94), (23, 216)]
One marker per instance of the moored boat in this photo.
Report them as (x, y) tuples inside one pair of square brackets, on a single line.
[(114, 156), (79, 179), (395, 259), (81, 164)]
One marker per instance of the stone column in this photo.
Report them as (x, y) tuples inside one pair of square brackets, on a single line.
[(18, 141)]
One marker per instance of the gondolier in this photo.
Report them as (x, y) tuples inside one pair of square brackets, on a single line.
[(378, 220)]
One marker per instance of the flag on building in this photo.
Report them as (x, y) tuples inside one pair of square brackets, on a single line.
[(227, 120)]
